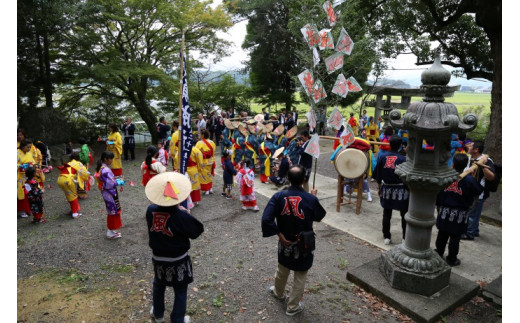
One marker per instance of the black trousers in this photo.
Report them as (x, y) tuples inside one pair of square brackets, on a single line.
[(453, 246), (387, 216), (129, 145)]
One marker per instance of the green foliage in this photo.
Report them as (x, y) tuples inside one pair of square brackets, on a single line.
[(217, 302), (271, 44)]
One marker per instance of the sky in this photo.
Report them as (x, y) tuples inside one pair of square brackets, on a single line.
[(404, 67)]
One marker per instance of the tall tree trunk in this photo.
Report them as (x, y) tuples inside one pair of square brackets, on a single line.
[(47, 83), (41, 64), (493, 142), (140, 103)]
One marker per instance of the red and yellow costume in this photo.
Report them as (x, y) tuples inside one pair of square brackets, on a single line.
[(70, 173), (174, 150), (207, 148), (194, 168), (117, 148), (28, 159)]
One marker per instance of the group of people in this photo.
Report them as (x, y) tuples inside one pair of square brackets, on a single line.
[(289, 214)]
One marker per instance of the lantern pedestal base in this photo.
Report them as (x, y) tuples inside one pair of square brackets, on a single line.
[(418, 307)]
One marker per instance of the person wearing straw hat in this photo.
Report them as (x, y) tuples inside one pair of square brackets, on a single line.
[(239, 144), (291, 145), (226, 136), (265, 151), (290, 214), (170, 228), (251, 145), (282, 169), (207, 148)]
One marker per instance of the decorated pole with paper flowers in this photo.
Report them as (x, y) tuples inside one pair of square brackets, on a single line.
[(317, 77)]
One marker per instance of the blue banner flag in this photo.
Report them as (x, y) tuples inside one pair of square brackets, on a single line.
[(186, 139)]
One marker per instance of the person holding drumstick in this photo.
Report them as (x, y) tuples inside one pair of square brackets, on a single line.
[(393, 193)]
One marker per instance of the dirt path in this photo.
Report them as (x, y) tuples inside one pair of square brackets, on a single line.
[(69, 271)]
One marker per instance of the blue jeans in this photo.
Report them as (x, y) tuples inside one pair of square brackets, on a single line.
[(474, 218), (179, 303)]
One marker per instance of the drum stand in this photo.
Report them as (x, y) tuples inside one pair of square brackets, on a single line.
[(341, 198)]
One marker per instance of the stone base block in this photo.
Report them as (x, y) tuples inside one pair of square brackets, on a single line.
[(418, 307), (424, 284)]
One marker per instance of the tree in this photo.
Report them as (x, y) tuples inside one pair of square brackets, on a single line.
[(466, 33), (129, 50), (273, 61)]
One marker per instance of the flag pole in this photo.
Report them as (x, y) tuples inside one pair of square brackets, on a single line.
[(314, 179), (180, 101)]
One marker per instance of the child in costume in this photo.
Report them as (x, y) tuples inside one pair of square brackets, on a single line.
[(229, 172), (108, 187), (24, 160), (34, 195), (162, 154), (85, 157), (246, 182), (151, 166), (73, 175), (115, 145)]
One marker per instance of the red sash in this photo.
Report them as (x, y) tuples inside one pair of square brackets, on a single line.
[(191, 163), (209, 154)]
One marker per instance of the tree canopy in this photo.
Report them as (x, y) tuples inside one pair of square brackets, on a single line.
[(467, 34)]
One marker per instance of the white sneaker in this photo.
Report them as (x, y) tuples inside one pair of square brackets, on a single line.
[(76, 215), (161, 320), (207, 193), (256, 208), (369, 198), (388, 241), (186, 319), (111, 234), (245, 208), (24, 215)]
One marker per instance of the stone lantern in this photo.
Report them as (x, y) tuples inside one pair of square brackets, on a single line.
[(413, 266)]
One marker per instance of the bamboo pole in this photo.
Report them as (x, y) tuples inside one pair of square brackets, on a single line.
[(180, 101), (370, 142)]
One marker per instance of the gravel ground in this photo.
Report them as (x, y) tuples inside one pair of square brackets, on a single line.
[(67, 269)]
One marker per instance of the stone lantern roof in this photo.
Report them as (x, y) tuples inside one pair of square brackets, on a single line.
[(433, 115)]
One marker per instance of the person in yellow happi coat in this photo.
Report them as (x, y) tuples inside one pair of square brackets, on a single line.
[(207, 147), (24, 159), (115, 145), (194, 168), (37, 156), (71, 173), (372, 131), (174, 147)]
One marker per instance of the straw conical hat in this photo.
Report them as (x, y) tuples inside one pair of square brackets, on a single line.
[(251, 128), (228, 124), (259, 117), (279, 130), (260, 128), (235, 124), (251, 121), (278, 152), (291, 132), (268, 127), (155, 188), (243, 130)]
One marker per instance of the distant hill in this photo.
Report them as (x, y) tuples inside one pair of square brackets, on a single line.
[(240, 77)]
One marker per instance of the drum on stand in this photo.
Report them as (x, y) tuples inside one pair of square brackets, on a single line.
[(351, 163)]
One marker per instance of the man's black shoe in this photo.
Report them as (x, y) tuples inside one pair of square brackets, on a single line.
[(466, 237), (453, 263)]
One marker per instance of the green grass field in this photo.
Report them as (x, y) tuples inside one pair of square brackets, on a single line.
[(461, 100)]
